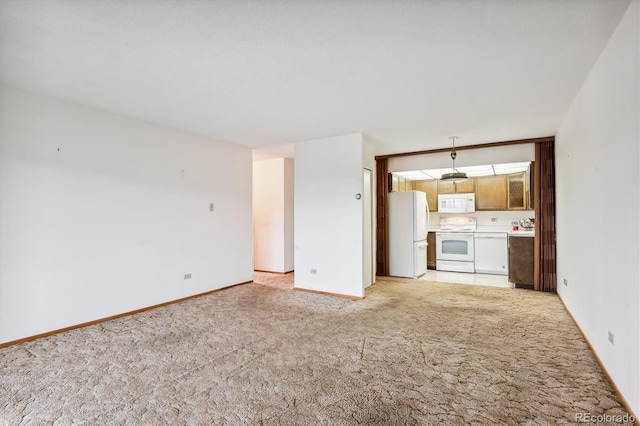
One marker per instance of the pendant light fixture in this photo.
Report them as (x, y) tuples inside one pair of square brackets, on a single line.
[(454, 176)]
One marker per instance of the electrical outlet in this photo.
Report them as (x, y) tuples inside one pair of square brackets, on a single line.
[(611, 337), (314, 271), (514, 223), (564, 281), (187, 276), (210, 207), (494, 219)]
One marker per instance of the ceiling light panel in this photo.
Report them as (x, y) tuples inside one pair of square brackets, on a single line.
[(436, 173), (484, 170), (510, 167), (509, 171), (413, 175)]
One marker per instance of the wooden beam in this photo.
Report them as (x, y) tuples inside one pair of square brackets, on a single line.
[(463, 147)]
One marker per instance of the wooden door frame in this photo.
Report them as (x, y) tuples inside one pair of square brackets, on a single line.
[(382, 189)]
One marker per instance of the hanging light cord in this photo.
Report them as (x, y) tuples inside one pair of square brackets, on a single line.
[(453, 152)]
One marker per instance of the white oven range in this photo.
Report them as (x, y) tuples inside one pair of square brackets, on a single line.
[(455, 244)]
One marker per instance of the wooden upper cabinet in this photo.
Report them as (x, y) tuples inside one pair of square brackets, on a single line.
[(465, 187), (399, 184), (446, 187), (430, 187), (491, 193), (517, 192), (393, 182), (402, 184), (501, 192)]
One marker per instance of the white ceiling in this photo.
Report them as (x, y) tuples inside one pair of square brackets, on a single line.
[(259, 73)]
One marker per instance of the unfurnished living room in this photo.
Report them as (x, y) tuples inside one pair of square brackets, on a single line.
[(198, 212)]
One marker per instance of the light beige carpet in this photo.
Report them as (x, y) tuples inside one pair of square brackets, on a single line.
[(412, 352)]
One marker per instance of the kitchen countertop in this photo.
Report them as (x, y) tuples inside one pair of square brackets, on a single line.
[(521, 233), (479, 229), (518, 233)]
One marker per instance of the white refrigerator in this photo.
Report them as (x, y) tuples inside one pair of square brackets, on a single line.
[(408, 227)]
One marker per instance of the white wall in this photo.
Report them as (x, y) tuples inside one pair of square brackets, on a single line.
[(328, 217), (597, 207), (101, 214), (273, 215), (368, 154), (369, 162)]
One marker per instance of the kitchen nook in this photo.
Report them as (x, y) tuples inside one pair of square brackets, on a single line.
[(481, 229)]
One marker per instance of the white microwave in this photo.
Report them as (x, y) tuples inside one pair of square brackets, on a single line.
[(456, 203)]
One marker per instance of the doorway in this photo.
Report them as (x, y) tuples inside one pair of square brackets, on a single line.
[(543, 190)]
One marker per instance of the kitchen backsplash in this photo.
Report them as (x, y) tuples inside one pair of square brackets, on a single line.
[(488, 219)]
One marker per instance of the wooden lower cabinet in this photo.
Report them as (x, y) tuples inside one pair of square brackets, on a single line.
[(431, 250), (521, 269)]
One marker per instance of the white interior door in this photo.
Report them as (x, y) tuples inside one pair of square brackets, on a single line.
[(367, 231)]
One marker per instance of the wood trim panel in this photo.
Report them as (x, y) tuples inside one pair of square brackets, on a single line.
[(623, 401), (105, 319), (326, 293), (382, 226), (475, 146), (537, 262), (545, 230)]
